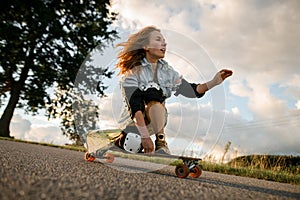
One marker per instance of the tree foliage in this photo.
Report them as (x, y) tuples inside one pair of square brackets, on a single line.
[(76, 106), (43, 44)]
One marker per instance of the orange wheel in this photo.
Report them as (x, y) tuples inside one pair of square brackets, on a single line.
[(182, 171), (89, 157), (109, 158), (196, 172)]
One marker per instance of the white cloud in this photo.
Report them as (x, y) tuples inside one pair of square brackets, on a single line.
[(109, 110), (19, 126), (265, 136), (38, 130), (47, 134), (235, 111), (239, 88), (293, 81), (293, 88), (298, 104), (261, 101)]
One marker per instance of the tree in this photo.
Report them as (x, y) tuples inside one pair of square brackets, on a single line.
[(42, 44), (76, 106)]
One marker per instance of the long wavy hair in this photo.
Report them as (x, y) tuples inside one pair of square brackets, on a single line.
[(133, 49)]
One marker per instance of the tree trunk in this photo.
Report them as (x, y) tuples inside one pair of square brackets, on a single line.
[(12, 103), (8, 113)]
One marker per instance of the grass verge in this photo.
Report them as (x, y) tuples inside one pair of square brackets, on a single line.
[(282, 176)]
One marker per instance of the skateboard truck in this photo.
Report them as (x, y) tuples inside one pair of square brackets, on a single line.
[(189, 167)]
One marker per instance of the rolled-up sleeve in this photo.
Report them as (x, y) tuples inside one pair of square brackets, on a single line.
[(135, 100), (133, 95), (188, 90)]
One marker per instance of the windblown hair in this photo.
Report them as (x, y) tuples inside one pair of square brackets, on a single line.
[(133, 49)]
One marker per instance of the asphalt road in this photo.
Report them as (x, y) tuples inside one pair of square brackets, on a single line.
[(31, 171)]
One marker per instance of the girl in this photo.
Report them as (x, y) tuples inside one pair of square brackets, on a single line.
[(146, 81)]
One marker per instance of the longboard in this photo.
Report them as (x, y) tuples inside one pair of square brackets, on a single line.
[(100, 145)]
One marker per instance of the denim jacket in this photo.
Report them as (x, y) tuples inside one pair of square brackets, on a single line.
[(167, 79)]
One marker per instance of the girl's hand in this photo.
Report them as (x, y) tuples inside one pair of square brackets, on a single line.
[(220, 77), (148, 145), (225, 73)]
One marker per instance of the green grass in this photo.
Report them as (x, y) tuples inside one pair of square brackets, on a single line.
[(266, 174), (277, 163), (259, 167)]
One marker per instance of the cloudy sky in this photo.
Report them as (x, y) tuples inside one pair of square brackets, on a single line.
[(257, 109)]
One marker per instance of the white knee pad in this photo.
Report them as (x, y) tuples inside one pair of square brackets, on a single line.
[(132, 143)]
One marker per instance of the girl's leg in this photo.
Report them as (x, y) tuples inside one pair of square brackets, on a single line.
[(156, 114)]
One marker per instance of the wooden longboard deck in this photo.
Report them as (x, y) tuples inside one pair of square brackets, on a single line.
[(102, 140), (156, 155)]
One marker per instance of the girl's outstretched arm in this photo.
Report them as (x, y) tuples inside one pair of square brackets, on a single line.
[(218, 79)]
